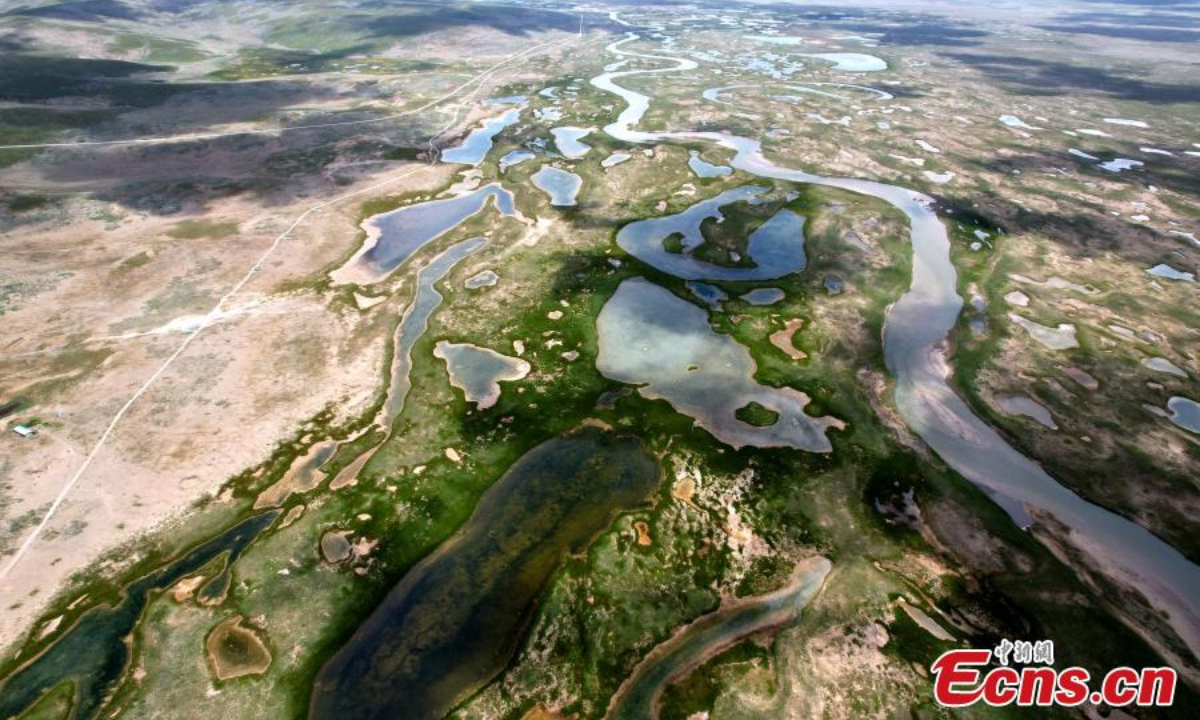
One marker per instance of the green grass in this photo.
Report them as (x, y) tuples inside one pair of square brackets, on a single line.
[(157, 49), (757, 415), (206, 229)]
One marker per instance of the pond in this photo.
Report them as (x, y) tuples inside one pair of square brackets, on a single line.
[(566, 139), (478, 371), (399, 234), (650, 338), (706, 169), (95, 651), (516, 157), (776, 247), (479, 142), (851, 62), (561, 185)]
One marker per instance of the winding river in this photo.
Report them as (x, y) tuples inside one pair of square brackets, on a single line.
[(640, 696), (917, 327)]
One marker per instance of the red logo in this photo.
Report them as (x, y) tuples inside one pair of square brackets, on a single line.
[(963, 678)]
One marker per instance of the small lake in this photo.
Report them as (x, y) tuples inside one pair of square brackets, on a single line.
[(650, 338), (1185, 413), (1169, 273), (764, 296), (487, 278), (455, 619), (614, 160), (404, 231), (851, 62), (776, 247), (706, 169), (561, 185), (711, 295), (479, 142), (516, 157), (478, 371), (566, 139), (1025, 406), (1061, 337)]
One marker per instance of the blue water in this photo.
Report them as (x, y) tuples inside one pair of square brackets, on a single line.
[(706, 169), (405, 231), (776, 247), (477, 144), (560, 185)]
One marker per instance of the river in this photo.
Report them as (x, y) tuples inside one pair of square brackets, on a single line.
[(917, 327)]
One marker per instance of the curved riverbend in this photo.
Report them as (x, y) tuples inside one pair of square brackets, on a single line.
[(640, 696), (917, 327)]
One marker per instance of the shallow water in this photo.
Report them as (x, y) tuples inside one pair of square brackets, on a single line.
[(1169, 273), (1025, 406), (93, 653), (1055, 338), (916, 327), (479, 142), (706, 169), (614, 160), (478, 371), (516, 157), (404, 231), (487, 278), (1164, 365), (650, 338), (1014, 121), (416, 321), (1120, 164), (710, 295), (1185, 413), (561, 185), (776, 247), (764, 296), (566, 139), (851, 62), (638, 698), (455, 619)]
